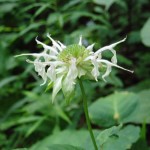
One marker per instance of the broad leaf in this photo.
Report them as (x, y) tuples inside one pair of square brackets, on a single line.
[(141, 113), (116, 139), (145, 33), (62, 147), (104, 136), (71, 137), (113, 109)]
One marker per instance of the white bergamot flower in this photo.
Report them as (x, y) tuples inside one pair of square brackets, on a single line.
[(62, 65)]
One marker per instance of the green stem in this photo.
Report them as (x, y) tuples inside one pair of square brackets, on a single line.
[(87, 115)]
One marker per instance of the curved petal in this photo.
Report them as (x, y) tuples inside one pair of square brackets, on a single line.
[(51, 73), (62, 45), (73, 71), (57, 87), (54, 42), (46, 47), (111, 64), (109, 46), (95, 71), (90, 47), (107, 72)]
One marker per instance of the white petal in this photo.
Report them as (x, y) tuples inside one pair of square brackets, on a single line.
[(80, 40), (68, 87), (61, 70), (44, 77), (114, 58), (54, 42), (81, 71), (56, 88), (46, 47), (111, 64), (62, 45), (51, 73), (109, 46), (38, 55), (73, 72), (95, 71), (29, 54), (108, 70), (89, 58), (40, 69), (90, 47)]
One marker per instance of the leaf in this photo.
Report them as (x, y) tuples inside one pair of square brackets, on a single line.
[(134, 37), (142, 111), (106, 134), (40, 10), (34, 126), (145, 33), (106, 3), (143, 85), (63, 147), (113, 109), (7, 7), (21, 149), (32, 26), (7, 80), (140, 145), (70, 137), (116, 139)]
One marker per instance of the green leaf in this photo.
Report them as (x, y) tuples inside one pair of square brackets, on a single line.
[(113, 109), (142, 111), (143, 85), (106, 3), (35, 126), (41, 9), (71, 137), (145, 33), (7, 80), (116, 139), (63, 147), (140, 145), (7, 7), (21, 149), (104, 136)]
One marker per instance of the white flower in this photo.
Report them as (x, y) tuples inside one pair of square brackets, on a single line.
[(62, 65)]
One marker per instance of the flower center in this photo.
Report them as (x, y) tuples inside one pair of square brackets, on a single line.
[(73, 51)]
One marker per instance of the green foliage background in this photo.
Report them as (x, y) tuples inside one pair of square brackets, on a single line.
[(28, 119)]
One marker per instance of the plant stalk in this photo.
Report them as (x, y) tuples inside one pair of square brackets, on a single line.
[(87, 114)]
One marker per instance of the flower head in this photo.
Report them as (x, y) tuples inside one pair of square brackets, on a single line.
[(62, 65)]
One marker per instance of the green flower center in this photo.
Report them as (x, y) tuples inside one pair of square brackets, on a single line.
[(73, 51), (80, 53)]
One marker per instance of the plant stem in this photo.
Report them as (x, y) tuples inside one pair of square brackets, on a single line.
[(87, 114)]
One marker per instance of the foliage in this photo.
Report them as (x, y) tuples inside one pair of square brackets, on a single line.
[(28, 119)]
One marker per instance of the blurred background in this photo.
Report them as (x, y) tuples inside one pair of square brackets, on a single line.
[(27, 115)]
